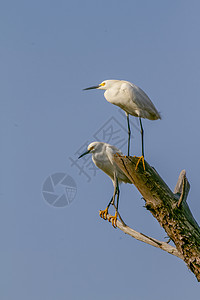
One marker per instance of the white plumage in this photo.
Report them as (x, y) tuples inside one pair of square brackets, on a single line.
[(132, 99), (102, 156)]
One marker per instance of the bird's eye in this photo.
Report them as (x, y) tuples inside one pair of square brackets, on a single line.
[(102, 84), (91, 148)]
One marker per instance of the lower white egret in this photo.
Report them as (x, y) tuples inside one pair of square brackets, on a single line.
[(132, 100), (102, 156)]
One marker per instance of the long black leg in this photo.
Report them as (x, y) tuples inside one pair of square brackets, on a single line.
[(117, 190), (113, 219), (142, 135), (103, 213), (129, 133), (112, 200)]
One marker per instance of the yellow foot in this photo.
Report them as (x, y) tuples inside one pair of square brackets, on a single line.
[(141, 158), (103, 213), (113, 219)]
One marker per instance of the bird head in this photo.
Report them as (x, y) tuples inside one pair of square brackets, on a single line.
[(106, 84), (92, 148)]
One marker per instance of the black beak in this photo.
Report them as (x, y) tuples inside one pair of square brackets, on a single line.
[(88, 151), (91, 88)]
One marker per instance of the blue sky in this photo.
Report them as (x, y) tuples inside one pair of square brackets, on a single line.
[(50, 51)]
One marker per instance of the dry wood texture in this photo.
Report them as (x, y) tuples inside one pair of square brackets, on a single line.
[(170, 209)]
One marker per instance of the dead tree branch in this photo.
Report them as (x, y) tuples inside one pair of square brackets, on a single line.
[(170, 209), (148, 240)]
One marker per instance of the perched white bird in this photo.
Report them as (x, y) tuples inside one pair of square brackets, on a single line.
[(132, 100), (102, 156)]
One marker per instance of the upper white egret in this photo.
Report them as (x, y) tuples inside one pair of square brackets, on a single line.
[(132, 100), (102, 156)]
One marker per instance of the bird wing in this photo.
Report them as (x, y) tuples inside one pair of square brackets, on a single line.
[(111, 151), (142, 104)]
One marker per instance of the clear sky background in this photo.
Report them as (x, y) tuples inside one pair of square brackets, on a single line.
[(50, 51)]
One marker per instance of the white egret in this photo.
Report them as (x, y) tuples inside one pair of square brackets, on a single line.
[(102, 156), (132, 100)]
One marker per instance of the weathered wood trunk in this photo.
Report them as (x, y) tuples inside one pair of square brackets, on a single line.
[(170, 209)]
